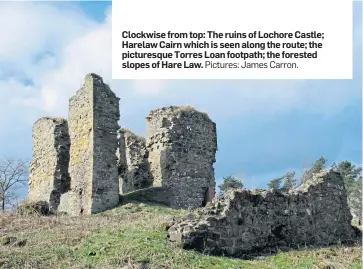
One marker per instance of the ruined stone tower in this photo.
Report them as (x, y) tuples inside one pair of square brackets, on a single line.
[(93, 116), (133, 165), (49, 176), (182, 144)]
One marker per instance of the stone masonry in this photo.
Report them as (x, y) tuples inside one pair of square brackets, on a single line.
[(81, 166), (133, 165), (242, 223), (93, 116), (49, 177), (182, 144), (104, 160)]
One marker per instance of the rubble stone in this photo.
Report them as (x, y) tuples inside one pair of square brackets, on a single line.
[(241, 223)]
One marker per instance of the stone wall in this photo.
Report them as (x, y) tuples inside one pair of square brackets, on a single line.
[(241, 223), (93, 117), (49, 176), (133, 165), (182, 144), (106, 115)]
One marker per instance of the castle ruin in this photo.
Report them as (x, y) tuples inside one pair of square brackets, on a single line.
[(100, 160), (85, 165)]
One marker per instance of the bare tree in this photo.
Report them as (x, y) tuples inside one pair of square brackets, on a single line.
[(13, 175)]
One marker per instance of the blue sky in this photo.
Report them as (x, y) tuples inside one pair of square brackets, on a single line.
[(265, 128)]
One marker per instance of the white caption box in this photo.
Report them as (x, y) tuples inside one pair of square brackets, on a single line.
[(331, 18)]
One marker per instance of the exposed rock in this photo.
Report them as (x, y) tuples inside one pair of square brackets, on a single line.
[(133, 165), (241, 223), (34, 208), (182, 144), (164, 226), (49, 176)]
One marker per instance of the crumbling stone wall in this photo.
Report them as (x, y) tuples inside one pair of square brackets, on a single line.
[(49, 176), (242, 222), (133, 165), (182, 144), (93, 117)]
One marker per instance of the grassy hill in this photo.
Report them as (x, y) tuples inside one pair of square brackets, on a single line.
[(133, 236)]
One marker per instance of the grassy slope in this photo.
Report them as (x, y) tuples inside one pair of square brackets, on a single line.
[(129, 236)]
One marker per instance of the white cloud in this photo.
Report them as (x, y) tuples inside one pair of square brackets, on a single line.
[(55, 48), (87, 53), (32, 28)]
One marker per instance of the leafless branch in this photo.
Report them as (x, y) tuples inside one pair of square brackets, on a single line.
[(13, 174)]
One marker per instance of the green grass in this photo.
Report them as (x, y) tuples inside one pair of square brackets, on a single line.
[(130, 235)]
